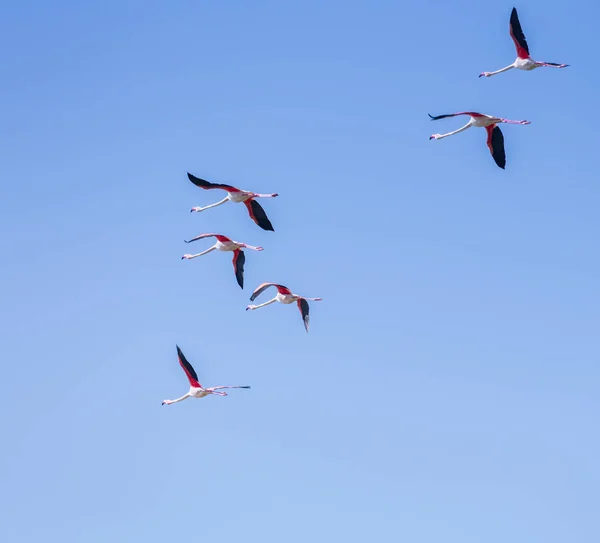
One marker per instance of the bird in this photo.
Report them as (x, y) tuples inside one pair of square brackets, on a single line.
[(495, 138), (284, 296), (523, 61), (196, 389), (255, 210), (224, 243)]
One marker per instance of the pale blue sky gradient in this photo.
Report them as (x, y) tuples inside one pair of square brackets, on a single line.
[(448, 389)]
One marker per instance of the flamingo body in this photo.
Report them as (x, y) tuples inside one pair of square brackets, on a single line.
[(224, 243), (523, 60), (284, 296), (236, 195), (196, 389), (495, 139)]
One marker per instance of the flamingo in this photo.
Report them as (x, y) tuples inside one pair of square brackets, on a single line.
[(523, 61), (223, 243), (495, 138), (285, 296), (196, 389), (255, 210)]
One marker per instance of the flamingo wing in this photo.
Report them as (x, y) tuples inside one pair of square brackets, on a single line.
[(239, 258), (471, 113), (202, 236), (280, 288), (303, 307), (516, 33), (207, 185), (258, 215), (495, 143), (189, 370)]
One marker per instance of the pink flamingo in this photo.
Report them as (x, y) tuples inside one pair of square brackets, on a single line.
[(196, 389), (284, 296), (495, 138), (255, 210), (223, 243), (524, 61)]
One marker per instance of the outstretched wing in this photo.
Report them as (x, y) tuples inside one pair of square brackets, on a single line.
[(303, 307), (239, 258), (495, 142), (202, 236), (471, 113), (207, 185), (280, 288), (516, 33), (258, 215), (189, 370)]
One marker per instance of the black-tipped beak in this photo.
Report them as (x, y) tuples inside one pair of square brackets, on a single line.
[(430, 137)]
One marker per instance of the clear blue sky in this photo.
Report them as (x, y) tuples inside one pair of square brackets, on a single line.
[(448, 388)]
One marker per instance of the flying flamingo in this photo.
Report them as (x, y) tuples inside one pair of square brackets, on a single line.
[(255, 210), (524, 61), (495, 138), (196, 389), (223, 243), (285, 296)]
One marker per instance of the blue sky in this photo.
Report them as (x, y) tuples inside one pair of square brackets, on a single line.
[(448, 388)]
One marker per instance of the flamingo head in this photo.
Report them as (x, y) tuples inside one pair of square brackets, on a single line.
[(435, 136), (166, 402), (251, 307), (197, 208), (186, 257)]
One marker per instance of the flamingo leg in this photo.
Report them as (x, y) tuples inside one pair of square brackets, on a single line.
[(188, 257), (266, 195), (440, 136), (551, 64), (184, 397), (229, 386), (490, 74), (224, 200), (514, 122), (251, 247), (253, 307), (313, 299)]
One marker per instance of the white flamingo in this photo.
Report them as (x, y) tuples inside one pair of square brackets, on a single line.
[(223, 243), (285, 296), (196, 389), (255, 210), (495, 138), (523, 61)]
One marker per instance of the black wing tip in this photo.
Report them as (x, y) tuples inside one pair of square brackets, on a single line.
[(198, 181), (438, 117)]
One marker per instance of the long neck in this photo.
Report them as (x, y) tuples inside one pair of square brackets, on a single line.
[(267, 303), (468, 125), (501, 70), (184, 397)]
